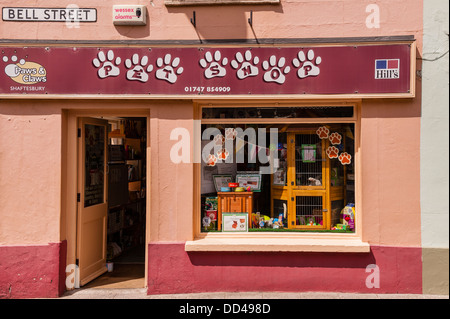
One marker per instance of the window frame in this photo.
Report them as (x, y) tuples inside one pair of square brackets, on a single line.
[(275, 241)]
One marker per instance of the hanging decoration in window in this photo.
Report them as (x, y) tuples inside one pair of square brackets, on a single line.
[(219, 139), (230, 133), (212, 159), (222, 154), (323, 132), (332, 152), (345, 158), (335, 138)]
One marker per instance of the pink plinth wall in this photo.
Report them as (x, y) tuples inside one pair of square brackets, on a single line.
[(38, 271), (173, 270), (32, 271)]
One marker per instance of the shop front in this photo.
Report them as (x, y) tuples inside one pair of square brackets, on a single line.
[(235, 168)]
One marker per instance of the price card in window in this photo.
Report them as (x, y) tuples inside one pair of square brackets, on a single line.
[(234, 222)]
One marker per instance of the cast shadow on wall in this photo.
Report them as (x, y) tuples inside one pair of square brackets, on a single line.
[(226, 22), (285, 259)]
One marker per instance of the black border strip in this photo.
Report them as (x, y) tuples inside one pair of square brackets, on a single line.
[(266, 41)]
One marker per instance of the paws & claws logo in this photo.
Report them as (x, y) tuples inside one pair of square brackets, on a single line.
[(24, 72)]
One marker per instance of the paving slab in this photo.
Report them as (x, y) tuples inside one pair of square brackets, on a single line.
[(141, 293)]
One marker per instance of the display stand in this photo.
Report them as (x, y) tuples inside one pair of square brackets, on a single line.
[(234, 202)]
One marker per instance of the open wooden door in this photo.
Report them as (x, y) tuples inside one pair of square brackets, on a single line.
[(92, 198)]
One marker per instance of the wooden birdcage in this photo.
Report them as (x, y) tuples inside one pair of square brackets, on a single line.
[(312, 190)]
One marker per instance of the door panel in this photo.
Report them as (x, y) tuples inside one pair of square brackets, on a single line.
[(92, 207)]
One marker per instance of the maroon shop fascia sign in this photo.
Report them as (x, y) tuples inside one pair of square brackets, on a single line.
[(365, 69)]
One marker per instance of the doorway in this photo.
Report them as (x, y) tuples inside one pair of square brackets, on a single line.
[(112, 170)]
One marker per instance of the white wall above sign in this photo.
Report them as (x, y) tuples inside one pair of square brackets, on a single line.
[(129, 15)]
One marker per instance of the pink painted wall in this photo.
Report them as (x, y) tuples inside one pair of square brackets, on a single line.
[(30, 172), (171, 184), (384, 121), (390, 172), (30, 155), (290, 19)]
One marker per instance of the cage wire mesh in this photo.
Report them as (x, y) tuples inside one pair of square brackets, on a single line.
[(309, 210), (308, 160)]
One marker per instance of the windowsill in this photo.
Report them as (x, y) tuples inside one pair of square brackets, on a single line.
[(278, 243)]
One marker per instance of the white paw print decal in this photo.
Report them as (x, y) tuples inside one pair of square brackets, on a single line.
[(168, 68), (11, 69), (214, 67), (107, 64), (307, 65), (275, 71), (247, 67), (213, 64), (138, 70)]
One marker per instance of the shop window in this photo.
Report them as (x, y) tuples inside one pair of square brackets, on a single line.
[(277, 177)]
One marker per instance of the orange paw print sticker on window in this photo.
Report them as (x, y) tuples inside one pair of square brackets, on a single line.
[(222, 154), (323, 132), (219, 139), (335, 138), (212, 159), (230, 133), (345, 158), (332, 152)]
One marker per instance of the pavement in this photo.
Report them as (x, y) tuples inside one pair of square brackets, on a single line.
[(141, 293)]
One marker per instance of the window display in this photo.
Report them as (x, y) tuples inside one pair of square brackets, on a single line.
[(285, 176)]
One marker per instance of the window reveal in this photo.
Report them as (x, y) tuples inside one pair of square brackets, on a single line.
[(310, 188)]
